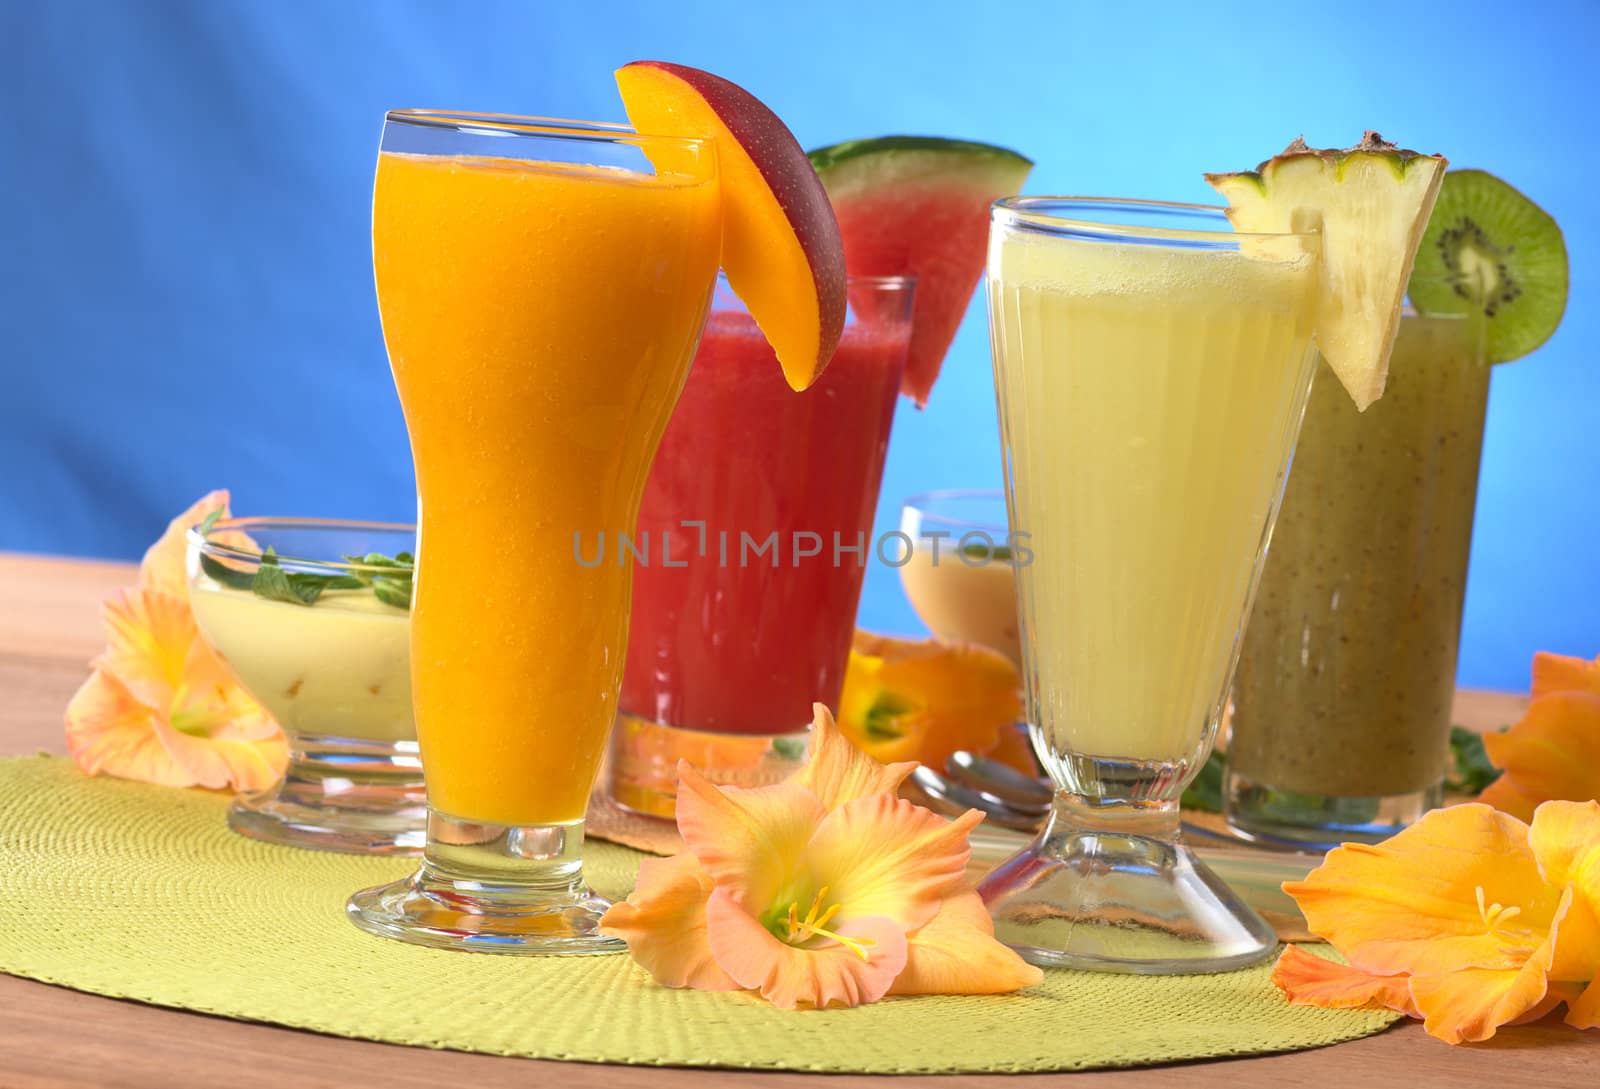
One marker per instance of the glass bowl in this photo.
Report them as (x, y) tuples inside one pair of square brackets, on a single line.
[(960, 572), (312, 617)]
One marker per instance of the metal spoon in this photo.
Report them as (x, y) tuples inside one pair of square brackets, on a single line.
[(944, 795), (1022, 792)]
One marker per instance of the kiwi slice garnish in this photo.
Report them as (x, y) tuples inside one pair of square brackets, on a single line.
[(1490, 250)]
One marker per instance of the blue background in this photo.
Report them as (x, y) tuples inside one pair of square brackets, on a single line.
[(189, 300)]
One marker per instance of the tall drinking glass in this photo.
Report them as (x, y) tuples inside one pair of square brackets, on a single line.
[(1341, 707), (757, 527), (1151, 368), (542, 287)]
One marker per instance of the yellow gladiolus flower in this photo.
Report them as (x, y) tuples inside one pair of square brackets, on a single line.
[(923, 700), (825, 890), (1553, 752), (159, 707), (1469, 919)]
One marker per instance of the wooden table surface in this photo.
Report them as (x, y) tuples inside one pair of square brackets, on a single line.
[(54, 1037)]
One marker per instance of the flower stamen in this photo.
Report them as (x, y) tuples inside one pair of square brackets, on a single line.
[(1494, 915), (815, 923)]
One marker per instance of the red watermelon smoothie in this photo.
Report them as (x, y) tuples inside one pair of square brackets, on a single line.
[(756, 530)]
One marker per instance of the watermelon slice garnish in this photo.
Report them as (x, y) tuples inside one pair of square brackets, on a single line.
[(919, 206)]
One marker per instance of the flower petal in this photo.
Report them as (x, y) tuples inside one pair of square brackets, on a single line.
[(1468, 1005), (1555, 994), (1561, 673), (1471, 1003), (161, 708), (663, 920), (838, 773), (1553, 752), (1410, 904), (164, 567), (882, 723), (943, 696), (1565, 838), (1584, 1011), (749, 840), (1309, 980), (957, 953), (221, 763), (109, 732), (789, 977), (1504, 796), (150, 636), (883, 856)]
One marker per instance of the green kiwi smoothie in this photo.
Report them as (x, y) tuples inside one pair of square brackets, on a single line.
[(1346, 676), (1348, 666)]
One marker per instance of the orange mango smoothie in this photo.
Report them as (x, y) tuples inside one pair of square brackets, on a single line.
[(540, 320)]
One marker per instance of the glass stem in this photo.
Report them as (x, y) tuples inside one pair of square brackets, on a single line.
[(499, 860), (1155, 819)]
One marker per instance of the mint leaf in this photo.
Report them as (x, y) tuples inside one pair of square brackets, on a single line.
[(789, 748), (1472, 770), (341, 582), (998, 553), (227, 576), (273, 583), (396, 592), (1206, 790)]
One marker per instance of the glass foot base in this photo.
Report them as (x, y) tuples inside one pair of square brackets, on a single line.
[(643, 764), (491, 888), (1100, 892), (337, 794), (1262, 814)]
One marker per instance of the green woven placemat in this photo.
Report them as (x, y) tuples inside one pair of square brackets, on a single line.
[(141, 892)]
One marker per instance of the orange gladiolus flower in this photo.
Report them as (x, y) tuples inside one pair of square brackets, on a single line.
[(159, 707), (1469, 919), (923, 700), (825, 890), (1553, 752)]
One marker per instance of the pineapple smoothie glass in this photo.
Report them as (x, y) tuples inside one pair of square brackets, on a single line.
[(542, 285), (1151, 367)]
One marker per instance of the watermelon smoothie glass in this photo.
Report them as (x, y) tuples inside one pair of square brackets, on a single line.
[(754, 534)]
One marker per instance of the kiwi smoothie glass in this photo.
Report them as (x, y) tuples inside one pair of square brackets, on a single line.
[(1342, 699)]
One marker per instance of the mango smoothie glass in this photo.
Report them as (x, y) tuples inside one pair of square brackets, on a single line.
[(542, 287), (1151, 368)]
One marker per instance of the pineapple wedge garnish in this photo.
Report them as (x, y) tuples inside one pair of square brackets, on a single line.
[(1371, 204)]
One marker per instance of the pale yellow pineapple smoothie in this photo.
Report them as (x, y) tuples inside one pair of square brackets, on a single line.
[(338, 668), (1149, 396)]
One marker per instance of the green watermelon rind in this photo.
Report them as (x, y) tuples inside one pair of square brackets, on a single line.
[(910, 172), (833, 162)]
